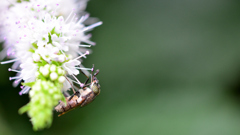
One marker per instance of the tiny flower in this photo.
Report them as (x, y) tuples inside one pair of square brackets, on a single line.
[(53, 68), (28, 70), (61, 58), (47, 52), (47, 66), (61, 79), (53, 76), (70, 67), (55, 50), (58, 42), (36, 57), (60, 71), (44, 71)]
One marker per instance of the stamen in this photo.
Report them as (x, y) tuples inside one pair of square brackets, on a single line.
[(83, 68), (80, 53), (85, 71), (16, 82), (54, 11), (69, 16), (87, 52), (73, 17), (82, 19), (74, 81), (78, 45), (15, 77), (9, 61), (63, 53), (9, 69), (84, 45), (89, 42), (92, 26), (24, 90), (81, 84)]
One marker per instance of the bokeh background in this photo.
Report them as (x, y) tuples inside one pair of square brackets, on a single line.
[(167, 67)]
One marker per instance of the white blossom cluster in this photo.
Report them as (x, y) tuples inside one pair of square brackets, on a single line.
[(45, 40), (49, 30)]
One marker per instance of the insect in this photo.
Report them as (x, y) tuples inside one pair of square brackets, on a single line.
[(81, 97)]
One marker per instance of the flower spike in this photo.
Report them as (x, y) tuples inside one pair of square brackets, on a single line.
[(46, 44)]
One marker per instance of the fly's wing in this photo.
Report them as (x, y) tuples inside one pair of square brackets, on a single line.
[(88, 98), (72, 104), (81, 99), (59, 107), (75, 101)]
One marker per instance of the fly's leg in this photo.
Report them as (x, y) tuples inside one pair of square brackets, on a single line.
[(93, 76), (86, 76), (71, 85)]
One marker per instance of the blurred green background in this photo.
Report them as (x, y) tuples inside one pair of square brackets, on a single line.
[(167, 67)]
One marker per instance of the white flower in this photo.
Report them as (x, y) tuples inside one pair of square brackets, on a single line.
[(61, 79), (48, 52), (28, 70), (42, 38), (53, 76), (59, 42), (17, 20), (70, 67), (44, 30)]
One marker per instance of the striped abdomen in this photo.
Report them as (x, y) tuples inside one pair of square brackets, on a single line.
[(86, 97)]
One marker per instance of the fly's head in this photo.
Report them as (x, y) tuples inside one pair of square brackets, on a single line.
[(95, 86)]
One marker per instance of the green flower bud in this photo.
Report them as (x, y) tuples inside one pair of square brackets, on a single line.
[(44, 97)]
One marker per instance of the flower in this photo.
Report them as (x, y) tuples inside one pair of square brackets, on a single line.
[(42, 38), (28, 70), (70, 67)]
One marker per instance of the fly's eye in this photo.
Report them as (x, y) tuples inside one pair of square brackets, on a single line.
[(95, 89)]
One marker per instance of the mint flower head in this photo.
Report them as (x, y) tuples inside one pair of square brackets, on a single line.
[(46, 41)]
